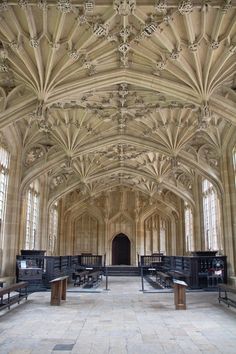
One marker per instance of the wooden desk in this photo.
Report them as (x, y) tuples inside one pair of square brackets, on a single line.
[(58, 290), (180, 294)]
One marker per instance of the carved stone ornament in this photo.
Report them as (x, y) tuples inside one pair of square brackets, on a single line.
[(185, 180), (121, 152), (185, 7), (73, 54), (3, 66), (44, 126), (42, 4), (34, 154), (167, 19), (204, 117), (174, 55), (124, 33), (14, 45), (149, 29), (34, 42), (161, 65), (4, 5), (57, 180), (215, 45), (161, 6), (124, 61), (100, 30), (89, 5), (226, 6), (193, 47), (55, 45), (124, 48), (64, 6), (209, 155), (124, 7), (23, 3)]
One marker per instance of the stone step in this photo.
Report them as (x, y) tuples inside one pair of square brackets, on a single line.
[(123, 270)]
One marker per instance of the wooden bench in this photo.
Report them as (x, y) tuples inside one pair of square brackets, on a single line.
[(58, 290), (80, 277), (224, 296), (163, 279), (94, 277), (13, 294)]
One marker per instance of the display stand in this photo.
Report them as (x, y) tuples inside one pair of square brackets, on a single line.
[(180, 294)]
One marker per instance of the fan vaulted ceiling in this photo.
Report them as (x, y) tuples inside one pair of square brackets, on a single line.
[(102, 93)]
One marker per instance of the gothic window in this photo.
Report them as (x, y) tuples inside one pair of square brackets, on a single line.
[(188, 225), (32, 216), (4, 172), (234, 164), (211, 216), (53, 227)]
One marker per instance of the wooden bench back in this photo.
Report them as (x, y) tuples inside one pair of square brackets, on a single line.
[(13, 287)]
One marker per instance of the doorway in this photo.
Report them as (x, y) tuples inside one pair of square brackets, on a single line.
[(121, 250)]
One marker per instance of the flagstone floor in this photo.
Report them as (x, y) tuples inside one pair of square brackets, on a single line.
[(121, 320)]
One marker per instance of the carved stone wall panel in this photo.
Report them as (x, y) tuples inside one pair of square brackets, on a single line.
[(86, 233), (121, 224)]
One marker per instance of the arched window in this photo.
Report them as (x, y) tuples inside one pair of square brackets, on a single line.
[(188, 225), (234, 164), (211, 216), (32, 216), (4, 173), (53, 227)]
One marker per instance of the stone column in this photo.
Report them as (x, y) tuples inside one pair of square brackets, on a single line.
[(198, 221), (61, 244), (42, 239), (11, 244), (228, 212)]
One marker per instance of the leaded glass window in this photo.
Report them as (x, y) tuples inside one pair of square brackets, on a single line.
[(211, 216), (32, 216), (4, 174), (188, 225)]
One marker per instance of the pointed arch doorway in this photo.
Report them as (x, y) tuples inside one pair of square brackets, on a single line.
[(121, 250)]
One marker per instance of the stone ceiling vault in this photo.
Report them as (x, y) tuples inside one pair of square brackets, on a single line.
[(104, 94)]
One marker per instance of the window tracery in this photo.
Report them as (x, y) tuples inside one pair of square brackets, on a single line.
[(188, 225), (32, 216), (211, 213), (4, 174)]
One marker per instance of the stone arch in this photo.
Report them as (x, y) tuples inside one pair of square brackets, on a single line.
[(121, 250)]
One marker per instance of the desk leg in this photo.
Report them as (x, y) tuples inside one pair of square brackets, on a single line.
[(180, 297), (63, 290), (56, 293)]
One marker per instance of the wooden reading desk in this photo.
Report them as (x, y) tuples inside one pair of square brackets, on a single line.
[(58, 290), (180, 294)]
